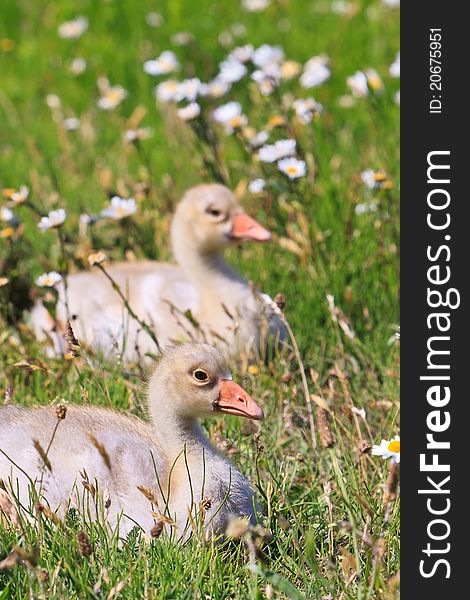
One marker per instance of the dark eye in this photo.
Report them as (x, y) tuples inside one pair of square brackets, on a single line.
[(201, 375), (214, 212)]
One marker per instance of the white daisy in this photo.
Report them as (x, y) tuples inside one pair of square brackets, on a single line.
[(182, 38), (256, 186), (305, 109), (164, 64), (266, 55), (49, 279), (77, 66), (292, 167), (133, 135), (168, 91), (373, 80), (290, 69), (74, 29), (112, 96), (368, 178), (230, 116), (19, 196), (71, 123), (365, 207), (154, 19), (388, 449), (258, 139), (231, 70), (54, 219), (189, 112), (215, 88), (373, 179), (315, 72), (6, 215), (255, 5), (266, 83), (272, 152), (358, 84), (189, 89), (53, 101), (119, 208), (394, 68), (241, 53)]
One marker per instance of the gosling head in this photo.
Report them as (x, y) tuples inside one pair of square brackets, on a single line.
[(210, 217), (193, 381)]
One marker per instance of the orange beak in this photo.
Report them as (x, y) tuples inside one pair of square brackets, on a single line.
[(246, 228), (233, 400)]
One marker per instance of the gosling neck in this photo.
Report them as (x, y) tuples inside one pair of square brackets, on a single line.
[(175, 431)]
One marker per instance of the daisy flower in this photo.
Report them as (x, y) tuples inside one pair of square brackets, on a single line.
[(97, 258), (168, 91), (388, 449), (119, 208), (154, 19), (373, 80), (374, 180), (290, 69), (231, 70), (189, 89), (358, 84), (54, 219), (72, 30), (49, 279), (77, 66), (242, 53), (230, 116), (111, 96), (71, 123), (266, 55), (134, 135), (306, 109), (315, 72), (215, 88), (365, 207), (17, 196), (394, 68), (272, 152), (6, 215), (255, 5), (266, 82), (292, 167), (256, 186), (189, 112), (255, 139), (164, 64)]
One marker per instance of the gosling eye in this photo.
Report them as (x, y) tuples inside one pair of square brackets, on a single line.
[(201, 376), (213, 212)]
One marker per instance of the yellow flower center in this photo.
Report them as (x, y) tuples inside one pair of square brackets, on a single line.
[(113, 95), (379, 176), (394, 446), (276, 121), (291, 170), (375, 83), (7, 232), (236, 122)]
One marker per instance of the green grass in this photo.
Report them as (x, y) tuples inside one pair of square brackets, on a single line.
[(321, 247)]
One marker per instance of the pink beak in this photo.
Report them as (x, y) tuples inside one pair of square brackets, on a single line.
[(246, 228), (233, 400)]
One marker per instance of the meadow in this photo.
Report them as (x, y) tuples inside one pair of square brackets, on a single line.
[(329, 525)]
